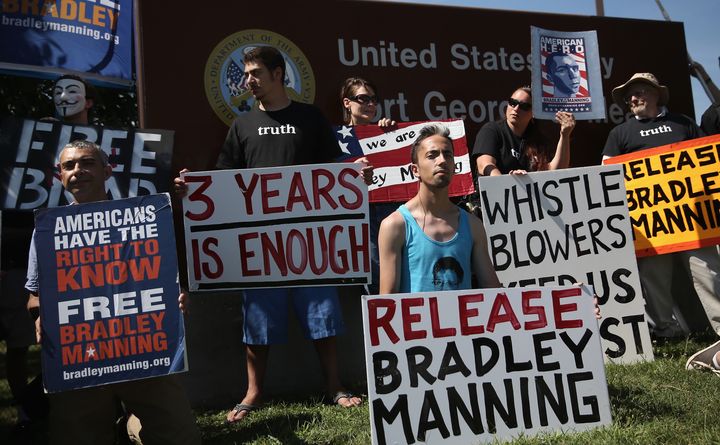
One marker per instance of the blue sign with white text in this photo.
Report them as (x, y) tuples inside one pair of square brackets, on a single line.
[(87, 37), (108, 292)]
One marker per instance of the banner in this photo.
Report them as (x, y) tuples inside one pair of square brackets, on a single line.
[(108, 292), (29, 153), (569, 75), (389, 152), (86, 37), (673, 194), (571, 226), (478, 366), (303, 225)]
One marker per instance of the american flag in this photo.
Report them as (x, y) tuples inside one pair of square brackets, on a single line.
[(388, 150), (235, 78), (547, 85)]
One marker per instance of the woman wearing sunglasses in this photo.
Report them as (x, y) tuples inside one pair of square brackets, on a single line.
[(515, 145), (360, 102)]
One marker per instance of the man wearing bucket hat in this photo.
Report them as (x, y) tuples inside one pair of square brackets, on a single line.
[(652, 126)]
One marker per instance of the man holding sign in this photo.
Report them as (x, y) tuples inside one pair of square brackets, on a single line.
[(653, 126), (419, 241), (87, 415)]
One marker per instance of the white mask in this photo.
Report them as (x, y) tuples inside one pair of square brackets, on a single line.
[(69, 97)]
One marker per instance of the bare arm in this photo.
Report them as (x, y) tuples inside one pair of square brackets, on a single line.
[(562, 151), (486, 166), (481, 263), (391, 239)]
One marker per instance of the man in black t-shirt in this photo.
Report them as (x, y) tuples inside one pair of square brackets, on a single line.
[(710, 122), (278, 132), (651, 126)]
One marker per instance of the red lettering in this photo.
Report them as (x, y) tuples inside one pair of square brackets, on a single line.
[(99, 330), (360, 249), (67, 334), (143, 323), (62, 258), (376, 323), (341, 255), (198, 195), (560, 309), (247, 190), (323, 191), (297, 193), (245, 254), (466, 312), (266, 194), (276, 251), (66, 278), (437, 330), (196, 258), (350, 205), (141, 269), (502, 312), (115, 273), (157, 318), (303, 255), (409, 318), (207, 242), (72, 354), (318, 270), (527, 309)]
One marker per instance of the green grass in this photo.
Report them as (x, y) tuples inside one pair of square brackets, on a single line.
[(652, 403)]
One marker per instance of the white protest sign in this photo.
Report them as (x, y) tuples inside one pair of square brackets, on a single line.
[(294, 226), (571, 226), (475, 366)]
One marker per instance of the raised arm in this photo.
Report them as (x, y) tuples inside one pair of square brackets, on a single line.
[(562, 151), (481, 263), (391, 239)]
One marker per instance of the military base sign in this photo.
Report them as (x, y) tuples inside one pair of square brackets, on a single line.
[(571, 226), (302, 225), (29, 151), (109, 289), (673, 194), (475, 366)]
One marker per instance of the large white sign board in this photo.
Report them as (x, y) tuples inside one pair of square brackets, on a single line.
[(475, 366), (571, 226), (277, 227)]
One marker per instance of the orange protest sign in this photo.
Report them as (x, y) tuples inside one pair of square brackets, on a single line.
[(673, 195)]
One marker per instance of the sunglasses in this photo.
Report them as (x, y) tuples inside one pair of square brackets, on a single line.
[(640, 92), (525, 106), (364, 99)]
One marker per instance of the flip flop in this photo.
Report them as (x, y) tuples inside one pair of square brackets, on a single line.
[(240, 407)]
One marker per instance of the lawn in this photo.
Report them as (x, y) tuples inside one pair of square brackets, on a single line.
[(652, 403)]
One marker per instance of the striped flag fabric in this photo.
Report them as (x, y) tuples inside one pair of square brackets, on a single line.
[(388, 150)]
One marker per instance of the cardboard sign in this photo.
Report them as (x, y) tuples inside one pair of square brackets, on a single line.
[(388, 150), (673, 194), (569, 75), (29, 152), (475, 366), (108, 292), (571, 226), (303, 225)]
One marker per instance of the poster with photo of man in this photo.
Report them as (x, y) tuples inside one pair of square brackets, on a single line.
[(569, 75)]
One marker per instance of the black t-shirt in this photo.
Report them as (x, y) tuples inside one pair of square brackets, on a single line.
[(635, 134), (710, 123), (498, 140), (297, 134)]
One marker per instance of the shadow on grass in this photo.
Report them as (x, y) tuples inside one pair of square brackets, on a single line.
[(282, 427)]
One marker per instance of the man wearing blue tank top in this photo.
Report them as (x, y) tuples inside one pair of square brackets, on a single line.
[(429, 243)]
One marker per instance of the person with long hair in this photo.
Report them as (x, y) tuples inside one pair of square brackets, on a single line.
[(514, 145)]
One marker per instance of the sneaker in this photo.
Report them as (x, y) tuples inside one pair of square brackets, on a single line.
[(703, 359)]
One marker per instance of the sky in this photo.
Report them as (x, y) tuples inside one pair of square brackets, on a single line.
[(700, 17)]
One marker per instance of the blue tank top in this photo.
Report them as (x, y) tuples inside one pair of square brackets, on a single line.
[(434, 265)]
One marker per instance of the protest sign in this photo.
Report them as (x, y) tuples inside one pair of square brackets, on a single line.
[(294, 226), (86, 37), (569, 75), (475, 366), (571, 226), (673, 194), (389, 152), (29, 152), (108, 292)]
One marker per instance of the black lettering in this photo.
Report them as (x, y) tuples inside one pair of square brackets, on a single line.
[(556, 401), (483, 368), (591, 400), (430, 405), (381, 415), (493, 404), (541, 352), (577, 348), (457, 405), (390, 370), (416, 368)]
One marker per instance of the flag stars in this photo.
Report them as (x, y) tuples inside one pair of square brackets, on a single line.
[(345, 131), (90, 352)]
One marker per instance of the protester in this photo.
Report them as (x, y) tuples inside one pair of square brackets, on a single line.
[(311, 141), (515, 145), (564, 73), (646, 99), (415, 240), (87, 416), (359, 102), (710, 122), (73, 98)]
